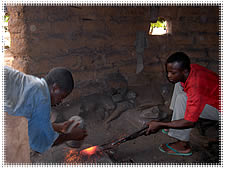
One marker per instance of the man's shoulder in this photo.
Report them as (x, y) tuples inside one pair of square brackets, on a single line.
[(25, 84), (199, 69), (197, 66)]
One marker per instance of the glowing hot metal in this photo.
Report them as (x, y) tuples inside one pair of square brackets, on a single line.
[(90, 151)]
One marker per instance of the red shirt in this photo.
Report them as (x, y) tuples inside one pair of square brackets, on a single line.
[(201, 87)]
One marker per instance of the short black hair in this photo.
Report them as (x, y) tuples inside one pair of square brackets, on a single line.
[(181, 58), (62, 77)]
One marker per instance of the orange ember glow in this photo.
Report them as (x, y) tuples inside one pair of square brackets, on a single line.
[(90, 154), (73, 156), (89, 151)]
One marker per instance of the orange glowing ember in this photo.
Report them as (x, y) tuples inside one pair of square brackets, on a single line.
[(90, 154), (90, 150), (73, 156)]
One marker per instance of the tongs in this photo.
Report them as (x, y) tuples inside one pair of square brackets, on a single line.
[(125, 139), (132, 136)]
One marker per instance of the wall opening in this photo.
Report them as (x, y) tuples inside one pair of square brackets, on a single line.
[(6, 32), (8, 58), (160, 27)]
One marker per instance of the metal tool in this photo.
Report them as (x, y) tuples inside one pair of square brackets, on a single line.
[(110, 145), (132, 136), (125, 139)]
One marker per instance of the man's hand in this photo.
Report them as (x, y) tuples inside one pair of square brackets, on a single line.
[(77, 133), (65, 125), (154, 126), (62, 127)]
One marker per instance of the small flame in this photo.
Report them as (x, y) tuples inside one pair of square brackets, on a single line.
[(89, 151), (89, 154)]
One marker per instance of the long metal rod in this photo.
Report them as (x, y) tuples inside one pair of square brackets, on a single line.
[(125, 139)]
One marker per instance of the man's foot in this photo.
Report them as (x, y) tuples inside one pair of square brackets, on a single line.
[(177, 148)]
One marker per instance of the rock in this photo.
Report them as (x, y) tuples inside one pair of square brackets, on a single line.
[(131, 95), (117, 98), (75, 143), (96, 107), (76, 119), (116, 81), (150, 113), (147, 95), (121, 107)]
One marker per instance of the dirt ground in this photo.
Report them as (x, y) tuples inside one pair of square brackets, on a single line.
[(142, 150), (145, 149)]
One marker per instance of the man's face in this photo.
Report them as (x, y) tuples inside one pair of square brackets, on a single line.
[(57, 95), (175, 73)]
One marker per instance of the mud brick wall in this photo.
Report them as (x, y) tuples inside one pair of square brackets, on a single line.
[(95, 41)]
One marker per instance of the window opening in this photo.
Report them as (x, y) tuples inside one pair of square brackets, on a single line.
[(159, 27)]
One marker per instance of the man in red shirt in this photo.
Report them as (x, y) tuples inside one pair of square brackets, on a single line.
[(196, 94)]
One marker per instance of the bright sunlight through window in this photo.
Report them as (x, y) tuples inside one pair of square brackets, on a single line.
[(159, 27)]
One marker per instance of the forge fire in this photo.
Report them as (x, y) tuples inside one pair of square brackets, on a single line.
[(90, 155)]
